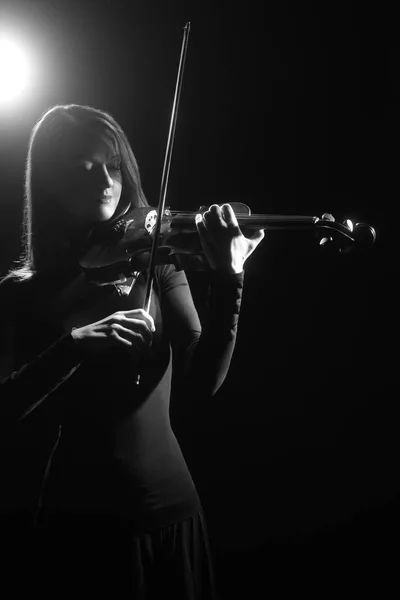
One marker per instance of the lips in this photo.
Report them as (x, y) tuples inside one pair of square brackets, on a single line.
[(105, 199)]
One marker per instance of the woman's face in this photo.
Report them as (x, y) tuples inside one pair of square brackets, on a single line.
[(88, 183)]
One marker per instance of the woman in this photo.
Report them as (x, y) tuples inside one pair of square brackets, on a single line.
[(118, 510)]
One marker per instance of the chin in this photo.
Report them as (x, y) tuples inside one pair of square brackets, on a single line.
[(106, 211)]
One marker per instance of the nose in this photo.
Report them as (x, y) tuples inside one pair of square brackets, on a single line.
[(105, 178)]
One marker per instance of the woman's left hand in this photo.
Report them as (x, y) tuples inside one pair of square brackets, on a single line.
[(224, 245)]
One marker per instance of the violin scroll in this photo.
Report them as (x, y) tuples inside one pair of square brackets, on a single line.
[(345, 236)]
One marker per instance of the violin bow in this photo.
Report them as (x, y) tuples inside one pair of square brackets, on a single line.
[(166, 168), (165, 173)]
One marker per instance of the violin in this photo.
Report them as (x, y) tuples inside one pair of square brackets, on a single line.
[(119, 250), (142, 238)]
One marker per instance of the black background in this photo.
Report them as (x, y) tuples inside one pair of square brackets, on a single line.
[(291, 108)]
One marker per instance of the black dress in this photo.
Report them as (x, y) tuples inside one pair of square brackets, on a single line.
[(118, 509)]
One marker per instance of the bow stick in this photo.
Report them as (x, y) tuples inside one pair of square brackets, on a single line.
[(165, 173)]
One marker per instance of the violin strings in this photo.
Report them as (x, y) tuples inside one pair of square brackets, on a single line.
[(254, 217)]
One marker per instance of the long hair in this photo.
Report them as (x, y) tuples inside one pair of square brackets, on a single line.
[(58, 128)]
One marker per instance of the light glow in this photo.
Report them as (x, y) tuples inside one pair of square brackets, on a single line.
[(14, 70)]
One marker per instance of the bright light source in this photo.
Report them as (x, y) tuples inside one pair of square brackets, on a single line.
[(14, 70)]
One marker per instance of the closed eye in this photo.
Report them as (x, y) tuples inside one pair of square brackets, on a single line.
[(88, 166)]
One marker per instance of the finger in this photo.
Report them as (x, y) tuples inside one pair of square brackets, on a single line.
[(229, 216), (139, 326), (198, 218), (138, 337), (204, 234), (201, 228), (256, 238), (140, 313), (213, 217), (125, 341)]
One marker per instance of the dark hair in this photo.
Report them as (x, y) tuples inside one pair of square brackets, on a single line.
[(58, 128)]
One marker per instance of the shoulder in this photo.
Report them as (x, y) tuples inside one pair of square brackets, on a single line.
[(11, 290), (9, 286)]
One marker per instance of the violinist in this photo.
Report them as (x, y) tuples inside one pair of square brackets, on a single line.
[(118, 510)]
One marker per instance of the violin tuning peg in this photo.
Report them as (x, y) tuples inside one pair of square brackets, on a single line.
[(327, 217), (325, 240), (349, 224)]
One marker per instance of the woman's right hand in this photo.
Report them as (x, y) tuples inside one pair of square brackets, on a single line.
[(131, 330)]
